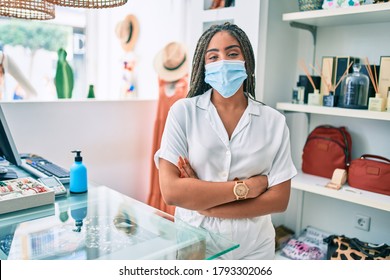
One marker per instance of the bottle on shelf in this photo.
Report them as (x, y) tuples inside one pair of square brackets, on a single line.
[(315, 98), (377, 103), (91, 92), (354, 90), (328, 100)]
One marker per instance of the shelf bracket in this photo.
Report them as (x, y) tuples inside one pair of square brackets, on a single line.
[(311, 28), (308, 116)]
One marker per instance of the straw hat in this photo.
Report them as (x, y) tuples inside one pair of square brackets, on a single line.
[(127, 31), (171, 63)]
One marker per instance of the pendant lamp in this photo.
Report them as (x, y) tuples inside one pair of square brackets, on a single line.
[(27, 9), (89, 4)]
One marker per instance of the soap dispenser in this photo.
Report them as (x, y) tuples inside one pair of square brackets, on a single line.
[(78, 175)]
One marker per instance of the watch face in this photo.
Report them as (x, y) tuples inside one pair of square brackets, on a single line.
[(240, 190)]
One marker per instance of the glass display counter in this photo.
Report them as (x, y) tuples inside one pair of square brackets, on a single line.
[(103, 224)]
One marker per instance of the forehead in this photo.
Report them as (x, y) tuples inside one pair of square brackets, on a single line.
[(222, 39)]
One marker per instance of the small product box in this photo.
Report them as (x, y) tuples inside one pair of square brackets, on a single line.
[(23, 193)]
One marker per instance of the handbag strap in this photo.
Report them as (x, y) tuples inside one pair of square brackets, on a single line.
[(375, 157), (382, 251)]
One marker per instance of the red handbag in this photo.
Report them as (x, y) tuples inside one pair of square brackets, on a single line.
[(326, 149), (370, 173)]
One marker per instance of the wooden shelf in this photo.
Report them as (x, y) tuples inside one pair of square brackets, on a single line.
[(334, 111), (373, 13), (315, 184)]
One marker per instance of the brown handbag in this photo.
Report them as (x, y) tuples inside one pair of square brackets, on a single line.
[(370, 173)]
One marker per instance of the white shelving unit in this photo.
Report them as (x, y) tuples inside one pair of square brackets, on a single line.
[(343, 16), (334, 111), (367, 14), (315, 184)]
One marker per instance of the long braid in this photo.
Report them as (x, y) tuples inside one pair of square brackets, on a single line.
[(198, 85)]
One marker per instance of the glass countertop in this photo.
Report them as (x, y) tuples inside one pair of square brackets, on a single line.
[(103, 224)]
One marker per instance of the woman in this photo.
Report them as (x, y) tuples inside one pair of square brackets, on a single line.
[(225, 159)]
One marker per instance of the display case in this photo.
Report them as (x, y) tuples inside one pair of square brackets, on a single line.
[(104, 224)]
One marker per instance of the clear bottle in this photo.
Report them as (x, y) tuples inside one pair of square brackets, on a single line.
[(354, 90)]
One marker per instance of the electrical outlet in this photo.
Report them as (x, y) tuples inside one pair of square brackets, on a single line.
[(362, 222)]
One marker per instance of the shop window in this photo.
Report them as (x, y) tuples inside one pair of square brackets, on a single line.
[(32, 47)]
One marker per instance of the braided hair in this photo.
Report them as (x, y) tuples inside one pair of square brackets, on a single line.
[(198, 86)]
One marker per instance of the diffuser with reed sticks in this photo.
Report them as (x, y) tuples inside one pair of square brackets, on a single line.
[(329, 99), (377, 103)]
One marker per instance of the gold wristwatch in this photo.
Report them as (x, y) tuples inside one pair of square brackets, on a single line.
[(240, 190)]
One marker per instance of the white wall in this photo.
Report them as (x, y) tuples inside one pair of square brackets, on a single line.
[(276, 82), (115, 138), (160, 22)]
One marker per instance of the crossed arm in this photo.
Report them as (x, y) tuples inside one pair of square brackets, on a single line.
[(181, 187)]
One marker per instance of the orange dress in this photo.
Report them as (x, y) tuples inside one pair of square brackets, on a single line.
[(165, 101)]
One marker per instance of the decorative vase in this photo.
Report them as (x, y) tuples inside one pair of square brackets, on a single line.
[(91, 92), (64, 76)]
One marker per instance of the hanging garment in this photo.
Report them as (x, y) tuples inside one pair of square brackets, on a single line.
[(169, 93)]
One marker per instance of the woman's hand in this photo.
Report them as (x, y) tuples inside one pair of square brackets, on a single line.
[(257, 185), (185, 168)]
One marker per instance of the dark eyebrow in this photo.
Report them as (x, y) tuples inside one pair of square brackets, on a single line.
[(231, 47), (227, 48)]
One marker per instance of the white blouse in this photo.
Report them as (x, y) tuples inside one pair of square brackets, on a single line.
[(260, 144)]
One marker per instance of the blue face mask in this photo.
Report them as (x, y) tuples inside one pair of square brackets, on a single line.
[(225, 76)]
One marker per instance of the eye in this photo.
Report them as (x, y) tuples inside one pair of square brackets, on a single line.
[(211, 57), (233, 54)]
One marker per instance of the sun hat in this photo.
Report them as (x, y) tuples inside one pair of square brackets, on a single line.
[(171, 63), (127, 31)]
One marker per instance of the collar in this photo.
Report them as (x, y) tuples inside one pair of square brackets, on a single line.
[(204, 101)]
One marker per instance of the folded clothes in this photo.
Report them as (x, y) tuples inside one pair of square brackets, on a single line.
[(308, 246), (299, 250)]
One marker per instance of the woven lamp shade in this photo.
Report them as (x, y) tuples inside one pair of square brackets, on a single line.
[(27, 9), (89, 4)]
